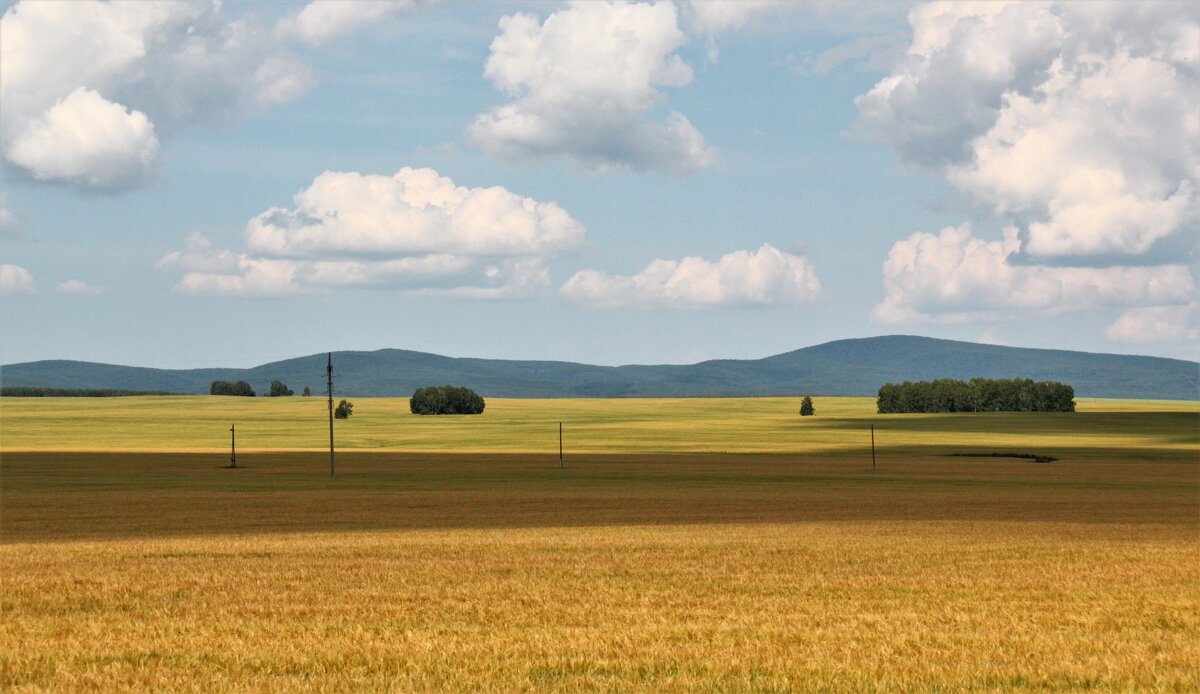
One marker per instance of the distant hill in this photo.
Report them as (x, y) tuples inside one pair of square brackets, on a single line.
[(844, 367)]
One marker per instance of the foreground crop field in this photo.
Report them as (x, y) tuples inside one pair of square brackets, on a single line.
[(654, 561)]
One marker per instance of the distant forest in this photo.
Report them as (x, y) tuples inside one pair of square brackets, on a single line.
[(38, 392), (977, 395)]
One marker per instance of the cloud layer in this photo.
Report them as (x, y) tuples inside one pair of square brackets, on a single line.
[(584, 84), (1157, 324), (1076, 121), (90, 88), (952, 276), (415, 230), (765, 276)]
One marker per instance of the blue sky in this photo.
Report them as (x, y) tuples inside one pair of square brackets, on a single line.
[(190, 185)]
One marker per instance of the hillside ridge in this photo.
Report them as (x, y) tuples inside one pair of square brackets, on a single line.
[(853, 366)]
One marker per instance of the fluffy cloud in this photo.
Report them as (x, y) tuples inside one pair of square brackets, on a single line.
[(14, 280), (77, 287), (766, 276), (324, 20), (1157, 324), (416, 231), (584, 83), (1076, 121), (415, 211), (89, 87), (952, 276), (88, 141)]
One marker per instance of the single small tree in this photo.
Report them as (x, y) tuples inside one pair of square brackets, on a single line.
[(279, 388), (307, 391), (343, 410), (806, 407)]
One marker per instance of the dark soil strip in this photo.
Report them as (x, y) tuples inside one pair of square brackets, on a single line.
[(1022, 456)]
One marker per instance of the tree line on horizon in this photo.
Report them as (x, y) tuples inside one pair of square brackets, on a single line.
[(40, 392), (976, 395), (240, 388), (244, 389)]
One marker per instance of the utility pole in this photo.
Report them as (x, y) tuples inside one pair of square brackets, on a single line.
[(560, 459), (872, 448), (232, 446), (329, 373)]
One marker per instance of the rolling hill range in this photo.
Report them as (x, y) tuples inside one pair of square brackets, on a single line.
[(843, 367)]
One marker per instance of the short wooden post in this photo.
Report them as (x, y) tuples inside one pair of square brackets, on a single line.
[(872, 448), (233, 445)]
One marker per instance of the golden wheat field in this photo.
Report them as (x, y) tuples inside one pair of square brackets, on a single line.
[(720, 545)]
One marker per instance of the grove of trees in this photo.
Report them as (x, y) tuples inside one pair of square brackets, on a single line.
[(343, 410), (279, 388), (445, 400), (229, 388), (977, 395)]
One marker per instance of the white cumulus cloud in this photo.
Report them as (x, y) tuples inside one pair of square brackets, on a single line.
[(321, 21), (414, 211), (90, 87), (14, 280), (765, 276), (584, 84), (415, 231), (88, 141), (953, 276), (1157, 324), (1076, 121)]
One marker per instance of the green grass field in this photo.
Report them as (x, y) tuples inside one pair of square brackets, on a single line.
[(689, 425), (689, 545)]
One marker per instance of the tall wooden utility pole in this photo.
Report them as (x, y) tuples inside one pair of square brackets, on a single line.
[(560, 460), (232, 446), (872, 448), (329, 373)]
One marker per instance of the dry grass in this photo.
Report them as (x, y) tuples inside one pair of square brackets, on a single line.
[(796, 607), (631, 570)]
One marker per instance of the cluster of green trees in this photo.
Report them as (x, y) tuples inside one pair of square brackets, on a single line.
[(230, 388), (279, 388), (40, 392), (445, 400), (344, 409), (977, 395)]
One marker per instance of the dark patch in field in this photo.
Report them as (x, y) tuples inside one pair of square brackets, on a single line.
[(1021, 456)]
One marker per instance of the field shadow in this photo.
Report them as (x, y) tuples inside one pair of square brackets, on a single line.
[(104, 495), (1164, 427)]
